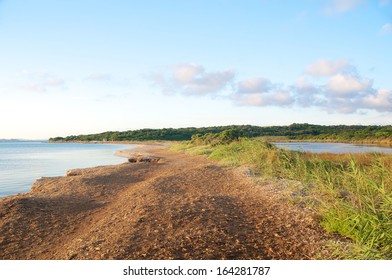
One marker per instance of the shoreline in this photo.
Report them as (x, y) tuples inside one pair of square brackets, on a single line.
[(384, 143), (183, 207), (140, 148), (122, 153)]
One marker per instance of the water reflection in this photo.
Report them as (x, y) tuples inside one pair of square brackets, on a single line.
[(335, 148)]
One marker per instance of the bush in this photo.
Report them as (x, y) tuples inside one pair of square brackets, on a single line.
[(214, 139)]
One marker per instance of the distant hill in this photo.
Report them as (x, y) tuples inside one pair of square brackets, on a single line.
[(293, 132), (19, 140)]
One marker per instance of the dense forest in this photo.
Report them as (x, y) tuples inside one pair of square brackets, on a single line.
[(291, 132)]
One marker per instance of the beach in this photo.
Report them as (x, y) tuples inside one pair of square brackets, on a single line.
[(176, 206)]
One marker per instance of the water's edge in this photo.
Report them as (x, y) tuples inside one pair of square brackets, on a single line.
[(332, 147), (22, 165)]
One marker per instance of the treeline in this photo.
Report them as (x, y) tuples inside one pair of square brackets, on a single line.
[(167, 134), (291, 132)]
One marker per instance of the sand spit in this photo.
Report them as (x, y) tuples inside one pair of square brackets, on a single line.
[(179, 207)]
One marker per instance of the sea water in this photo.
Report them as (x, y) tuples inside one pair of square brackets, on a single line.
[(22, 162)]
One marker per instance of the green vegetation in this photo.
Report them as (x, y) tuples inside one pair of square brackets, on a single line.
[(351, 193), (166, 134), (341, 133)]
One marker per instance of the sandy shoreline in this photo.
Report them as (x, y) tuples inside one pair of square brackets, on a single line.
[(183, 207), (141, 148)]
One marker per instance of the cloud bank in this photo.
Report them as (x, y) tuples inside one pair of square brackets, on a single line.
[(343, 90), (330, 85)]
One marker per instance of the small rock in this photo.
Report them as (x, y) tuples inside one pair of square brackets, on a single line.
[(72, 256), (147, 159), (74, 172)]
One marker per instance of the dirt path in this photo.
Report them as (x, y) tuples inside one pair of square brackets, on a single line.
[(183, 207)]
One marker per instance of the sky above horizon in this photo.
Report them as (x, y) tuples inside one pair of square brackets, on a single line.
[(88, 66)]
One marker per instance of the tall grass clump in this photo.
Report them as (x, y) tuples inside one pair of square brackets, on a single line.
[(352, 193), (362, 210), (260, 156), (354, 196)]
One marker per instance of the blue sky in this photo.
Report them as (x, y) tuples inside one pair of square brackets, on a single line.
[(86, 66)]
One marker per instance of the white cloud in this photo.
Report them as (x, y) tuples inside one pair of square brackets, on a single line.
[(260, 91), (342, 6), (33, 87), (186, 73), (344, 92), (304, 85), (386, 28), (381, 100), (41, 82), (209, 82), (325, 67), (254, 85), (346, 84), (306, 92), (192, 79)]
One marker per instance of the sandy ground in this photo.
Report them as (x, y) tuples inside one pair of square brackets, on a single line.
[(182, 207)]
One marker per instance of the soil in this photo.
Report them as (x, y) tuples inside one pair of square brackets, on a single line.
[(177, 207)]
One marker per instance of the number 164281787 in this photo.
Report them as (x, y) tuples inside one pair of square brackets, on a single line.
[(255, 270)]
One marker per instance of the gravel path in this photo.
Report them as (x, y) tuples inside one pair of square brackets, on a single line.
[(182, 207)]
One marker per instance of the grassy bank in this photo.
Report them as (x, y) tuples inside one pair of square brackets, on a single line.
[(351, 193)]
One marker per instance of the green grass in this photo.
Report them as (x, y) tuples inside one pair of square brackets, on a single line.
[(352, 193), (192, 149)]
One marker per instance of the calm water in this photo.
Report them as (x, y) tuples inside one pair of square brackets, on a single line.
[(336, 148), (21, 163)]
